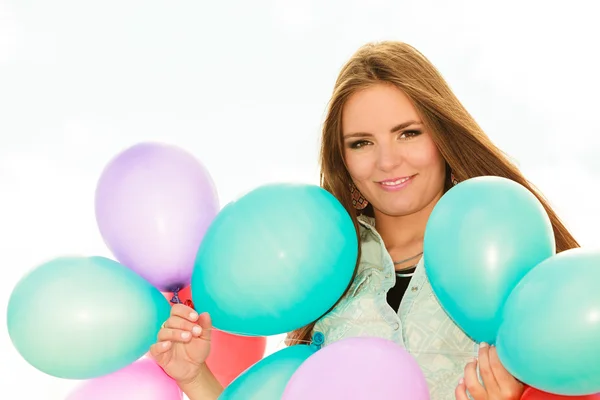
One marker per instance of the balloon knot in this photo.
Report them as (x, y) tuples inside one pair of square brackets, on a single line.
[(175, 299), (317, 340), (190, 304)]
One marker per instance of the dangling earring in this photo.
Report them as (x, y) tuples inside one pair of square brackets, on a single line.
[(453, 179), (358, 201)]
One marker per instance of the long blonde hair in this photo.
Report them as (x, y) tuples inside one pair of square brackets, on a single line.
[(463, 144)]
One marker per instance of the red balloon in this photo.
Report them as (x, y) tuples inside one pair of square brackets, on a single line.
[(534, 394), (230, 355)]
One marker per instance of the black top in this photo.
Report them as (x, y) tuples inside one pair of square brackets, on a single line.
[(394, 296)]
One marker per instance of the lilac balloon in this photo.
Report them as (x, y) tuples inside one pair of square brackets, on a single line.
[(142, 380), (154, 202), (358, 368)]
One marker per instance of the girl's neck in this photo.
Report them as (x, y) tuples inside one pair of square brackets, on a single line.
[(403, 235)]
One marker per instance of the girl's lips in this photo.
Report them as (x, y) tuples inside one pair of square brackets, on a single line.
[(395, 183)]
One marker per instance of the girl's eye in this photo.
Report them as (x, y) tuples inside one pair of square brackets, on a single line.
[(358, 144), (410, 134)]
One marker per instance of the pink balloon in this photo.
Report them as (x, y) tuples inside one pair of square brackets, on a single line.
[(142, 380), (359, 368)]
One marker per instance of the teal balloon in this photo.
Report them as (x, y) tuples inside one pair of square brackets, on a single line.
[(550, 334), (275, 260), (80, 317), (266, 380), (481, 238)]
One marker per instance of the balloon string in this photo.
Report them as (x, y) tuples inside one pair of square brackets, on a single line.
[(233, 332), (300, 341), (297, 341)]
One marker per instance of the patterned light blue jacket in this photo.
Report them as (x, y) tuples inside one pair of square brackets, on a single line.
[(421, 325)]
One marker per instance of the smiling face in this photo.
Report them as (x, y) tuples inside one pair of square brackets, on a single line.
[(389, 154)]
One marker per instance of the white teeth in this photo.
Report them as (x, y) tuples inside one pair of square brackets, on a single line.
[(394, 183)]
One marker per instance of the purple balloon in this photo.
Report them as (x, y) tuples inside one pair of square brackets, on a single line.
[(358, 368), (154, 203), (143, 379)]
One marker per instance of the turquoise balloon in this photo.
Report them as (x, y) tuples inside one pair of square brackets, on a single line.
[(481, 238), (80, 318), (550, 334), (274, 260), (266, 380)]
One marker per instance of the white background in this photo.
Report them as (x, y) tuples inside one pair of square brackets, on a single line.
[(243, 85)]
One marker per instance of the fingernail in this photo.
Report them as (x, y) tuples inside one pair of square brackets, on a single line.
[(473, 360), (166, 344), (483, 345), (197, 330), (193, 316), (185, 335), (461, 381)]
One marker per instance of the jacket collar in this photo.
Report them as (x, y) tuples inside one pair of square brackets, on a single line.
[(366, 221)]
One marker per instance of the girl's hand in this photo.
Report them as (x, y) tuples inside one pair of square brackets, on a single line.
[(183, 344), (498, 383)]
